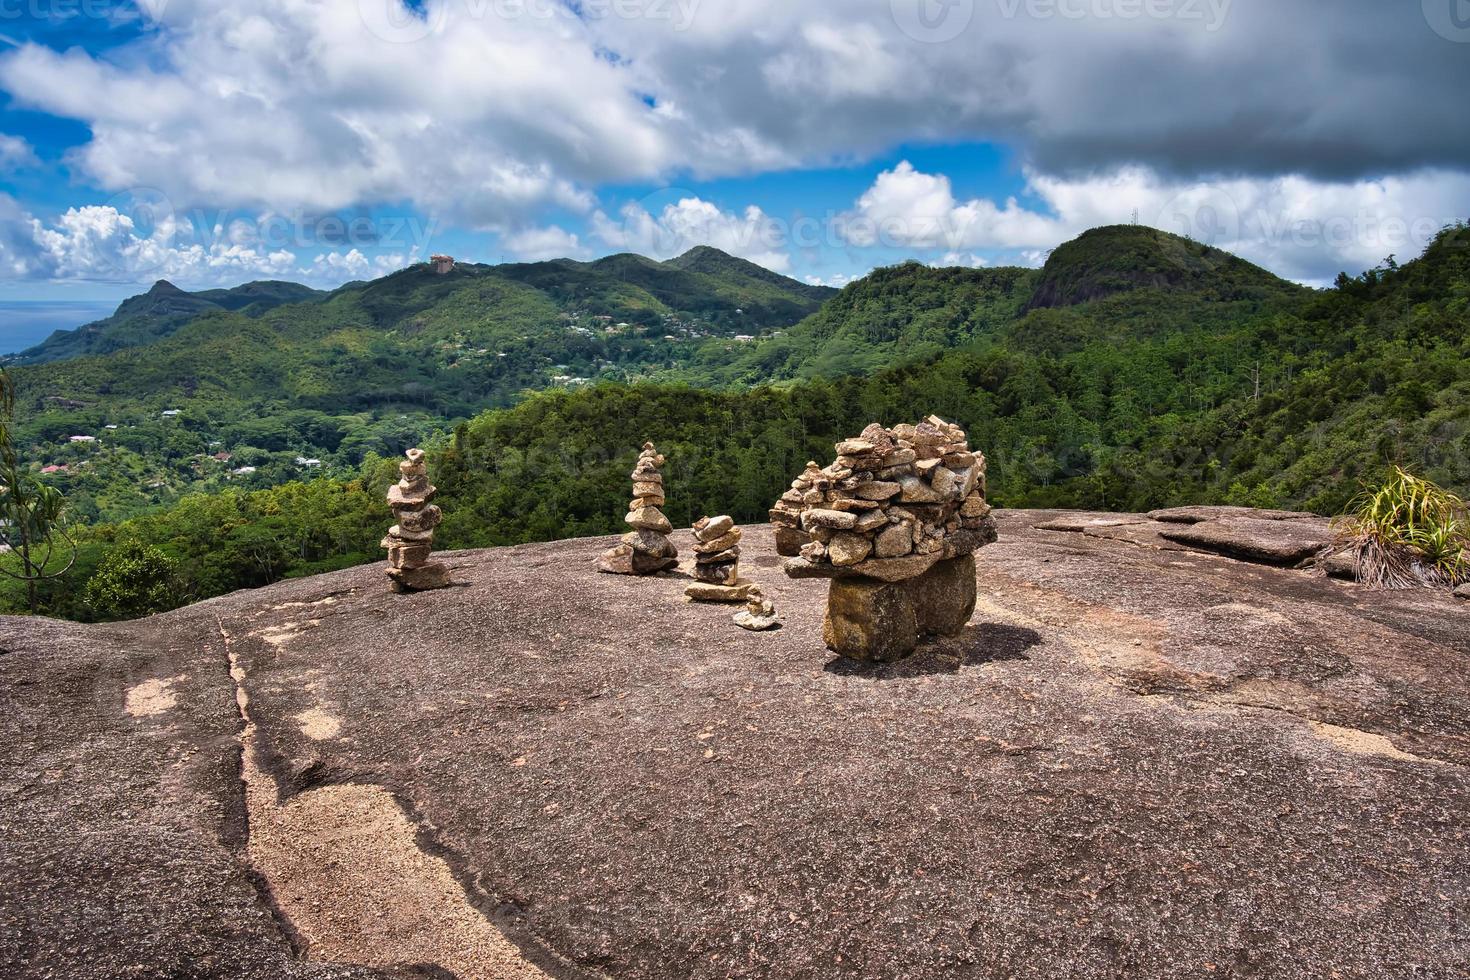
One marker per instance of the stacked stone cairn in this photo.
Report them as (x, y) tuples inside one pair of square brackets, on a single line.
[(759, 614), (410, 542), (646, 550), (717, 562), (786, 515), (894, 523)]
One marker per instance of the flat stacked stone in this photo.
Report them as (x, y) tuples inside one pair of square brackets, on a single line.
[(786, 515), (759, 614), (894, 522), (646, 550), (717, 562), (410, 542)]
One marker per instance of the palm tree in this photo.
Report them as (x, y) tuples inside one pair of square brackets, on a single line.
[(32, 515)]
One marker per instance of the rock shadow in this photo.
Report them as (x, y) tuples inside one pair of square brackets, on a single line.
[(980, 644)]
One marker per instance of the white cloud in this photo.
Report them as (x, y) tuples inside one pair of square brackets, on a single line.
[(489, 111), (1297, 227), (101, 243), (967, 260), (339, 267), (16, 153), (689, 222), (540, 244), (837, 280)]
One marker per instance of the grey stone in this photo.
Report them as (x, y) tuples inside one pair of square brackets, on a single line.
[(649, 519), (873, 621), (711, 528), (790, 541), (836, 520), (425, 578), (879, 490), (847, 548), (895, 542), (916, 491), (945, 596)]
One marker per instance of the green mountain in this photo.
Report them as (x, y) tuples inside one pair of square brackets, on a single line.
[(1122, 258), (1210, 382), (1110, 284), (158, 314), (367, 367)]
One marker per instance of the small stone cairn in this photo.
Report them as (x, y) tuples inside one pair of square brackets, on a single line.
[(717, 562), (759, 614), (894, 523), (646, 550), (410, 542)]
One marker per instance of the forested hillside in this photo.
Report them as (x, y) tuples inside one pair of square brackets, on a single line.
[(206, 390), (1164, 391)]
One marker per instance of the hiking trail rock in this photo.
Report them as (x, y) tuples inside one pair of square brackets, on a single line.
[(1134, 760)]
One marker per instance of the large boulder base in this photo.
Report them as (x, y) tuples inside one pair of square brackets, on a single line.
[(883, 621), (1133, 762)]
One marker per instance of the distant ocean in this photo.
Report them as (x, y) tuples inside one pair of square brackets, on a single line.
[(26, 324)]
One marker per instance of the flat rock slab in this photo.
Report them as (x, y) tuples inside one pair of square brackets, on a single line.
[(1198, 515), (1149, 534), (1132, 762), (1271, 542), (1081, 522)]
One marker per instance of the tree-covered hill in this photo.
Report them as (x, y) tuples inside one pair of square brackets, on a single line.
[(158, 314), (1149, 396), (1120, 258), (200, 391)]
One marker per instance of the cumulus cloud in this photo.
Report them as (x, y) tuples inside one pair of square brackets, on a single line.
[(1296, 226), (540, 244), (967, 260), (836, 280), (688, 222), (101, 243), (495, 109)]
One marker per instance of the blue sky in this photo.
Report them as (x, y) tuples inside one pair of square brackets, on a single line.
[(212, 142)]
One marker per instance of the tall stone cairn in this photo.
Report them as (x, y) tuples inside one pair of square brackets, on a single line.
[(894, 523), (410, 542), (646, 550), (717, 562)]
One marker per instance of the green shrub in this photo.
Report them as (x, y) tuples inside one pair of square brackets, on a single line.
[(133, 580), (1407, 533)]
